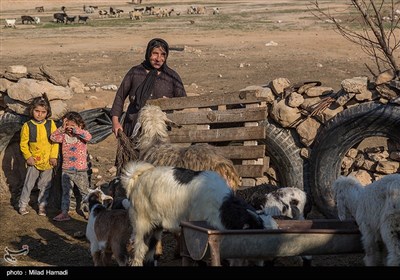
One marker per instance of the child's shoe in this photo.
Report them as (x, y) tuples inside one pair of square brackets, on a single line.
[(42, 211), (23, 211), (62, 217)]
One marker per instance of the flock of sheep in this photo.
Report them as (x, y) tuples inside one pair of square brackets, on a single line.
[(166, 185), (136, 14)]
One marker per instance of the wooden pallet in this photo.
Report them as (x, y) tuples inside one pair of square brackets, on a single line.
[(229, 121)]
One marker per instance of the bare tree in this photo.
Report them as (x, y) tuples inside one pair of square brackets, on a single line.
[(375, 27)]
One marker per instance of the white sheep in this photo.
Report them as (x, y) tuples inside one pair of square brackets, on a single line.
[(376, 209), (108, 231), (155, 147), (163, 196)]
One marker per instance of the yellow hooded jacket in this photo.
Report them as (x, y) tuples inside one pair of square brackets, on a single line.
[(38, 146)]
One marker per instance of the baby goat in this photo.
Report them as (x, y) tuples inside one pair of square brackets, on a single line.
[(376, 209), (107, 230), (288, 202)]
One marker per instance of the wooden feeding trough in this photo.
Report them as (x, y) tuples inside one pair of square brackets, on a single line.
[(199, 241)]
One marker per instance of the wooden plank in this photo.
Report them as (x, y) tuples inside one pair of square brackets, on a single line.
[(217, 135), (242, 152), (247, 182), (229, 98), (212, 117), (253, 171)]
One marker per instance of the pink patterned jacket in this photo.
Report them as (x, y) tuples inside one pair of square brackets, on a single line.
[(73, 148)]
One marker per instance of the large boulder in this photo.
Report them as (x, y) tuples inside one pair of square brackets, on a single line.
[(27, 89)]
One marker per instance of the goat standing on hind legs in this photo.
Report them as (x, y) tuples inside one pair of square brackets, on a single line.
[(376, 209)]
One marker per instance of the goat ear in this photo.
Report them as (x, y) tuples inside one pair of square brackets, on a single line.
[(86, 198), (172, 123), (108, 203), (106, 197), (296, 213), (136, 130), (269, 222), (254, 215)]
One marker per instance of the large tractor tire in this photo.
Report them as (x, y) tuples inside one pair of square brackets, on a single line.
[(285, 155), (341, 133)]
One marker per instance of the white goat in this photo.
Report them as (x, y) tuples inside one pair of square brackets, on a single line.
[(154, 147), (163, 196), (108, 231), (10, 22), (376, 209)]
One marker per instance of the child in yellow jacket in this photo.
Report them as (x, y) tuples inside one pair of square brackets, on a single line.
[(39, 152)]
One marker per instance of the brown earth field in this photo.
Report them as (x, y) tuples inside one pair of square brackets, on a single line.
[(249, 43)]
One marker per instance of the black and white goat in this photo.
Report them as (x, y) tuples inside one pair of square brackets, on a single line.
[(108, 231), (288, 202), (282, 203), (163, 196), (376, 209), (155, 147)]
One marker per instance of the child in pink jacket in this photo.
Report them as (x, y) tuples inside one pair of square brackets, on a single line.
[(73, 138)]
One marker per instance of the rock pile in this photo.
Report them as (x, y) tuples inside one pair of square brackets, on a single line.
[(306, 107), (18, 87)]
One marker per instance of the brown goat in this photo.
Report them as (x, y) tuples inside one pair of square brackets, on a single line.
[(108, 231)]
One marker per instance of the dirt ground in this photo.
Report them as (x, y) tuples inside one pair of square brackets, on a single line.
[(212, 53)]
